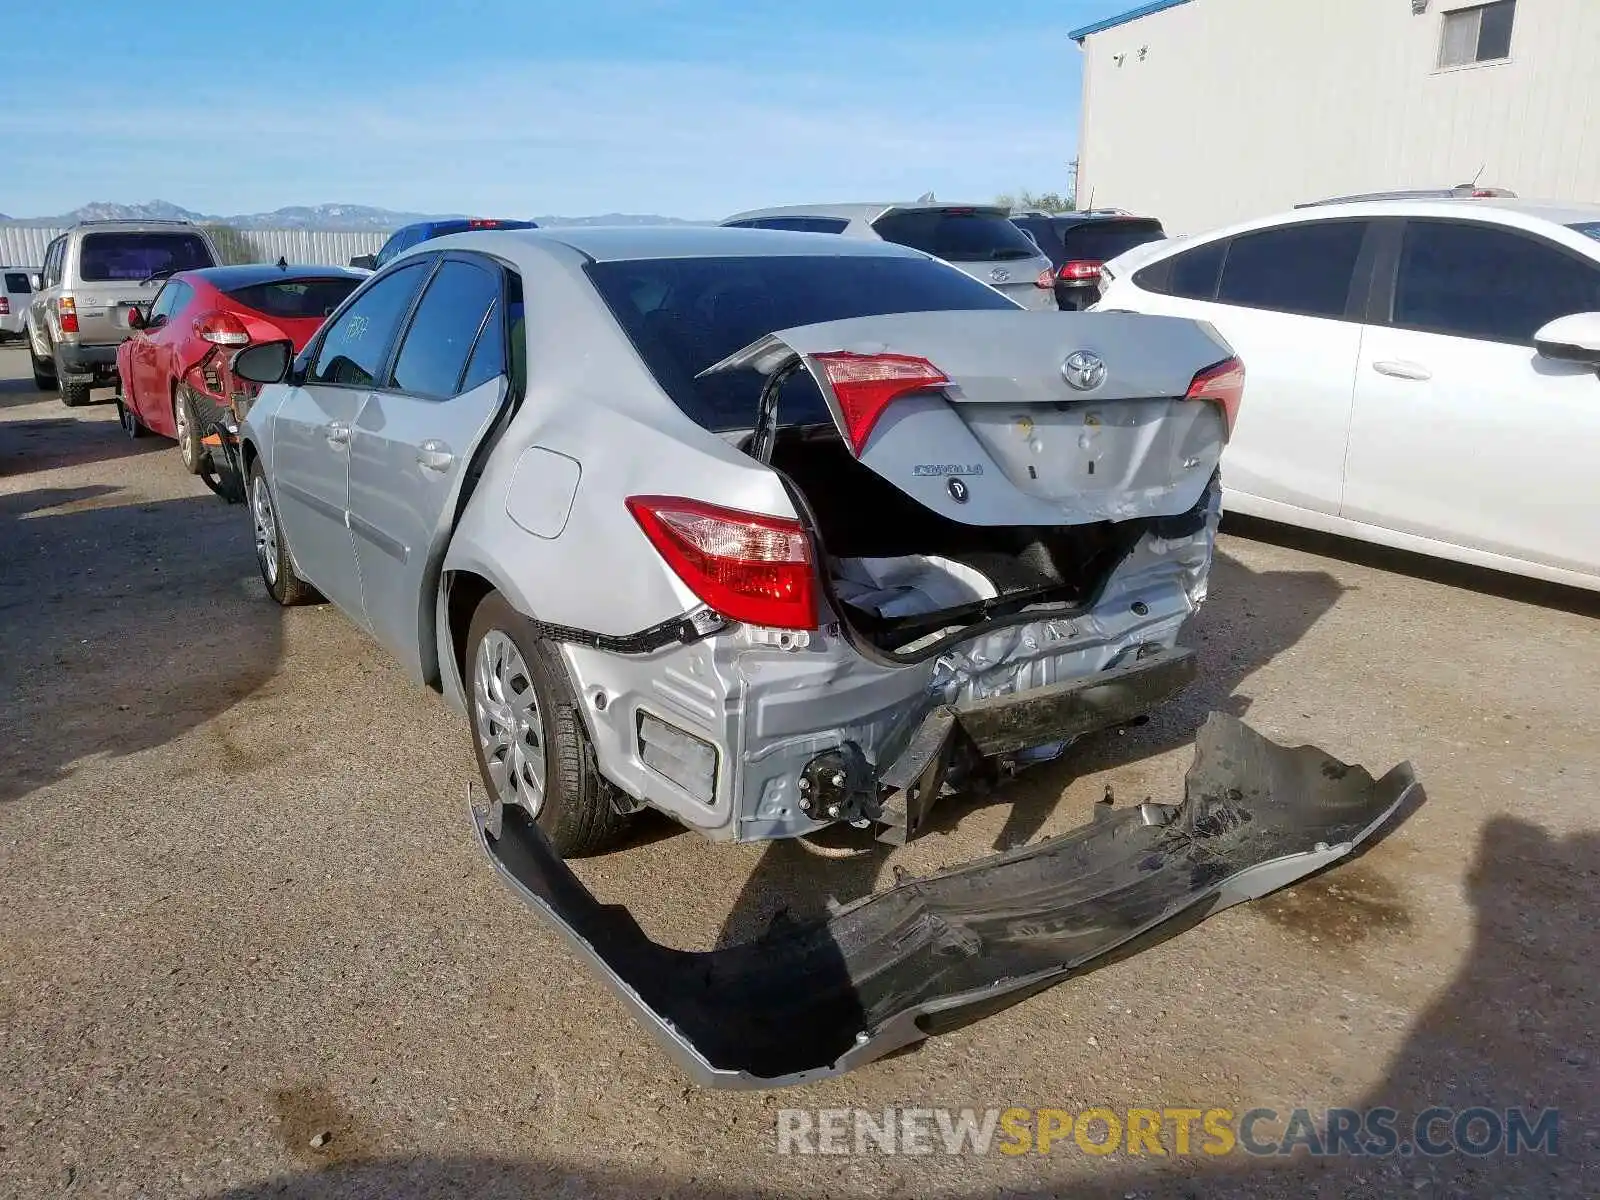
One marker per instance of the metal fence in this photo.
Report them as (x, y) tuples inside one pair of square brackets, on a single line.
[(23, 245)]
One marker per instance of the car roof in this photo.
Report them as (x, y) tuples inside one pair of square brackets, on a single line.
[(619, 243), (247, 274), (856, 212)]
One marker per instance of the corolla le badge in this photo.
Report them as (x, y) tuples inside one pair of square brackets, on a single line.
[(999, 275), (1083, 370)]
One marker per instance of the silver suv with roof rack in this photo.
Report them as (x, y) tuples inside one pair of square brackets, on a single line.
[(89, 272)]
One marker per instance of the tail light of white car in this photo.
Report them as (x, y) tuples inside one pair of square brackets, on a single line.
[(866, 384), (748, 567), (1222, 385), (5, 307)]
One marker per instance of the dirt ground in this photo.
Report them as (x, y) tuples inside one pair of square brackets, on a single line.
[(242, 912)]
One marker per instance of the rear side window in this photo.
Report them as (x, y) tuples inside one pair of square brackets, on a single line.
[(957, 234), (295, 299), (1101, 241), (1588, 229), (1191, 275), (795, 224), (683, 314), (1302, 269), (1493, 284), (433, 357), (104, 257), (354, 350), (17, 281)]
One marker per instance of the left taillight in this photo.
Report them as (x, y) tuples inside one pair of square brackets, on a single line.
[(222, 329), (67, 314), (5, 307), (866, 384), (1081, 270), (1222, 385), (747, 566)]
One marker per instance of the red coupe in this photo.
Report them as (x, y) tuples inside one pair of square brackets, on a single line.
[(173, 371)]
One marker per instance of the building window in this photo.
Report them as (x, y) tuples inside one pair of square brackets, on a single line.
[(1475, 35)]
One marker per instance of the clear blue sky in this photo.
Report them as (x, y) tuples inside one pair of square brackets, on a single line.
[(692, 109)]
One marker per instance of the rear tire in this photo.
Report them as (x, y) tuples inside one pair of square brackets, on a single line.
[(528, 735), (190, 452), (44, 375), (127, 419), (272, 548)]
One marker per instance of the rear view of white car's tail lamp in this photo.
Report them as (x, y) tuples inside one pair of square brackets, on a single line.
[(686, 760)]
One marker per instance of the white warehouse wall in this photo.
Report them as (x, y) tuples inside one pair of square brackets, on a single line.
[(1241, 108)]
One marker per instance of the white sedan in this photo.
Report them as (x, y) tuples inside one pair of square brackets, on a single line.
[(1423, 373)]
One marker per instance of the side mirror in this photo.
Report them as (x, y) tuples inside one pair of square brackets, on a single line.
[(365, 262), (35, 282), (266, 363), (1571, 339), (132, 316)]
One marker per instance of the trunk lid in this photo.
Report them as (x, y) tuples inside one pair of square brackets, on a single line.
[(1045, 418), (979, 240)]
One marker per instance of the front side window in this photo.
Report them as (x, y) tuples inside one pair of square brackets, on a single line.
[(172, 297), (1480, 34), (52, 263), (355, 349), (1302, 269), (1488, 283), (104, 257), (433, 356)]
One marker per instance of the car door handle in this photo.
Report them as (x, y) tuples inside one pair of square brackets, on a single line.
[(337, 433), (1415, 372), (434, 455)]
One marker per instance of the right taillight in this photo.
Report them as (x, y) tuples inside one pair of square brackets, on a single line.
[(747, 566), (1222, 385)]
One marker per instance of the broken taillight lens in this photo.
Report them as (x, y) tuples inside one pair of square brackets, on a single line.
[(748, 567), (1222, 385), (222, 329), (866, 384)]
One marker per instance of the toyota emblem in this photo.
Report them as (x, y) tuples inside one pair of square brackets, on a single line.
[(999, 275), (1083, 370)]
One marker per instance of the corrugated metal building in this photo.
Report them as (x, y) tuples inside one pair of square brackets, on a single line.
[(23, 245), (1203, 112)]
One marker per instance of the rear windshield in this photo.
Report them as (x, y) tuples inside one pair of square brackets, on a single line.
[(295, 298), (17, 281), (136, 256), (957, 234), (683, 314), (1589, 229), (1101, 241)]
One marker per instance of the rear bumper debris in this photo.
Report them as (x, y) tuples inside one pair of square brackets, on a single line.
[(819, 998)]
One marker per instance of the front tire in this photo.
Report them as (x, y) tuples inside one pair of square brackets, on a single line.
[(272, 550), (528, 736), (190, 452)]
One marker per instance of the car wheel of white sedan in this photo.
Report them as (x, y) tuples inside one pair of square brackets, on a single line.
[(528, 736)]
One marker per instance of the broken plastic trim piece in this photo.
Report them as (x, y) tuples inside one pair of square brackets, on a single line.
[(819, 998), (684, 630)]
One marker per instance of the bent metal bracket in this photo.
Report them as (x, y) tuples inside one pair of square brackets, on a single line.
[(813, 999)]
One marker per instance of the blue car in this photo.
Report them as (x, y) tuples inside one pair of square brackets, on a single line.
[(407, 236)]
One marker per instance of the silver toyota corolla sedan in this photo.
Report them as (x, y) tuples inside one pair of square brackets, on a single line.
[(772, 531)]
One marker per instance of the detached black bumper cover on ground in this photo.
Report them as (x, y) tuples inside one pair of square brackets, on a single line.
[(823, 997)]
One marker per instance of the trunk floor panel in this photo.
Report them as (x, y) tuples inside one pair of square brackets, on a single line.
[(817, 998)]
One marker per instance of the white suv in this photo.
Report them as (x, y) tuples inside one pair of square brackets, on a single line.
[(1422, 373)]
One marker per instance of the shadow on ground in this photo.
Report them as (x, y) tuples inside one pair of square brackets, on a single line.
[(1418, 566), (122, 625), (1515, 1027)]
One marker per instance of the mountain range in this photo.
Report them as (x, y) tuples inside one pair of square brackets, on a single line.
[(315, 216)]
